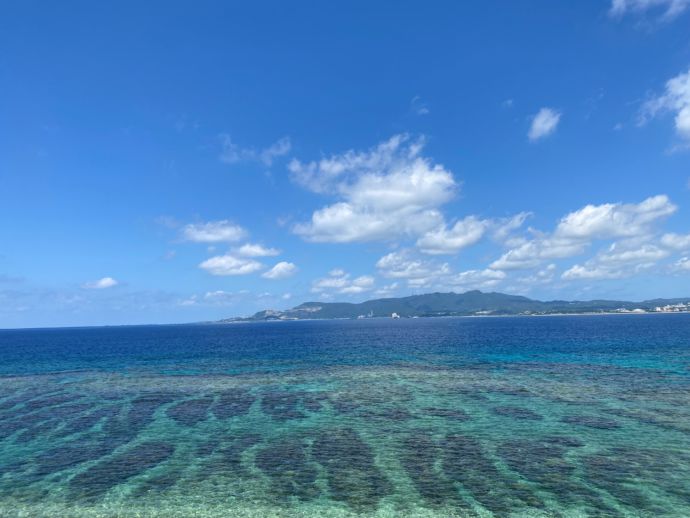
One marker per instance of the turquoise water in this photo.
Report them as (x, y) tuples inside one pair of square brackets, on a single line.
[(460, 417)]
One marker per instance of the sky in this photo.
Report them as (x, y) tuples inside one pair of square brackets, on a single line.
[(168, 162)]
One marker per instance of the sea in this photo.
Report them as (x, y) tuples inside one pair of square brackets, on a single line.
[(559, 416)]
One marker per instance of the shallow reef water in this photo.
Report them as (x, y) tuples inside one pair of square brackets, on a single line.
[(566, 417)]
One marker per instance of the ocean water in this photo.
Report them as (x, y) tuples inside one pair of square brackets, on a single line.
[(583, 416)]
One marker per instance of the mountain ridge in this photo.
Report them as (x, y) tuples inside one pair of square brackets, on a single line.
[(469, 303)]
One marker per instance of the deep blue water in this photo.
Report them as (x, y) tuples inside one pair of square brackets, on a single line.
[(539, 416)]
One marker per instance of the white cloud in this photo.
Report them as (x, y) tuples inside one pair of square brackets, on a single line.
[(676, 241), (579, 272), (683, 264), (418, 106), (544, 123), (504, 227), (387, 290), (620, 260), (533, 252), (230, 265), (387, 192), (669, 8), (100, 284), (256, 250), (614, 220), (339, 281), (231, 153), (477, 279), (444, 240), (213, 232), (419, 273), (360, 284), (646, 254), (222, 298), (543, 276), (675, 99), (403, 265), (281, 270), (576, 231)]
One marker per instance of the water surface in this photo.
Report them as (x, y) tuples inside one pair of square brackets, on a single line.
[(468, 417)]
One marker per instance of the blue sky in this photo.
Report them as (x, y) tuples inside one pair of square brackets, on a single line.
[(174, 162)]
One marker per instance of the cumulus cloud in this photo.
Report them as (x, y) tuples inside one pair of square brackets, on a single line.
[(444, 240), (230, 265), (256, 250), (668, 9), (213, 232), (620, 260), (502, 229), (387, 192), (542, 276), (576, 231), (676, 241), (231, 153), (675, 99), (532, 253), (339, 281), (100, 284), (487, 278), (281, 270), (614, 220), (418, 272), (682, 265), (544, 123), (387, 290)]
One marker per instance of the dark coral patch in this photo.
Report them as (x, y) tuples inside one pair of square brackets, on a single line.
[(122, 428), (85, 422), (35, 431), (281, 406), (535, 460), (65, 457), (291, 474), (35, 422), (590, 421), (190, 412), (109, 473), (516, 413), (386, 413), (418, 458), (465, 462), (455, 414), (349, 462), (232, 403), (227, 456), (51, 401), (231, 454), (314, 401), (565, 441)]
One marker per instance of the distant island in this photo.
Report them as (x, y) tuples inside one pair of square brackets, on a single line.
[(471, 303)]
